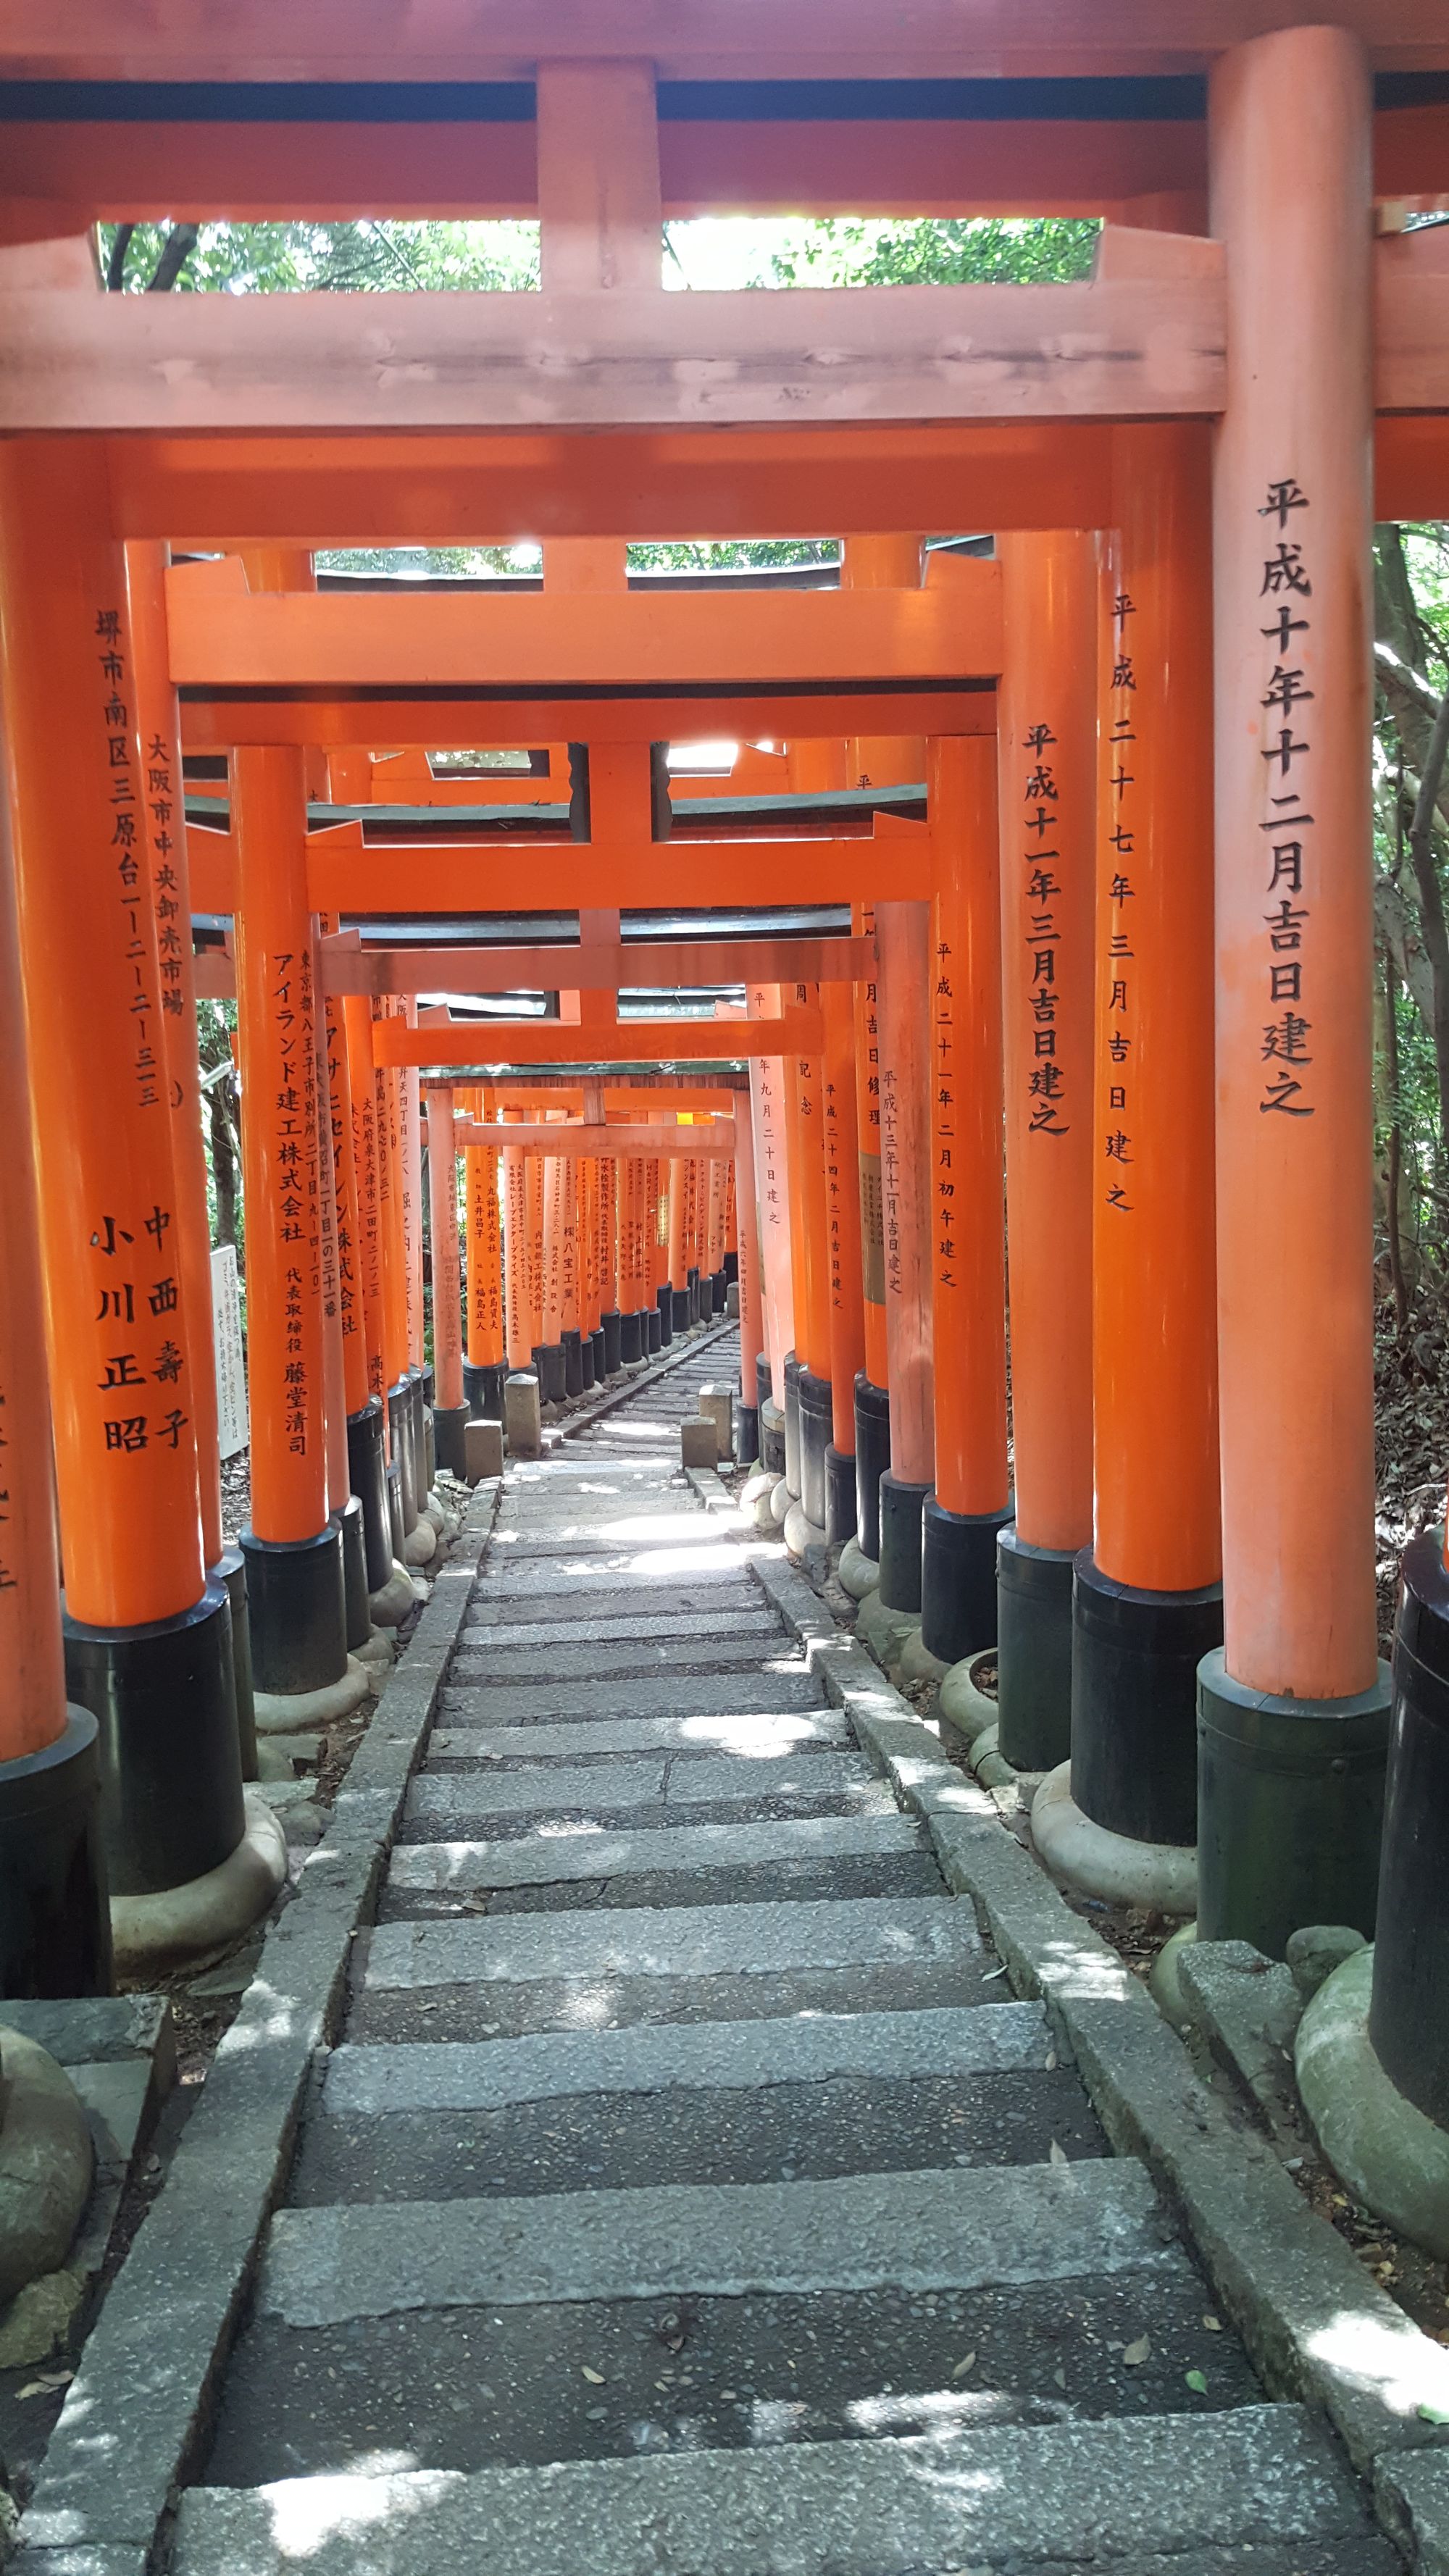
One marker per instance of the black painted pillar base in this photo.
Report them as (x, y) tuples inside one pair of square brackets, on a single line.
[(731, 1268), (551, 1369), (763, 1381), (1291, 1812), (402, 1432), (483, 1389), (611, 1325), (1135, 1656), (422, 1459), (598, 1354), (872, 1458), (367, 1476), (840, 1505), (720, 1286), (230, 1570), (901, 1507), (396, 1519), (679, 1309), (1034, 1652), (816, 1402), (653, 1331), (55, 1919), (348, 1524), (664, 1308), (772, 1436), (958, 1579), (299, 1610), (641, 1319), (747, 1434), (692, 1292), (164, 1699), (792, 1424), (630, 1348), (450, 1422), (573, 1351), (586, 1361), (1409, 2015)]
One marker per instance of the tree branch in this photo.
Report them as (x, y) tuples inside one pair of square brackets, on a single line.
[(176, 250), (116, 264)]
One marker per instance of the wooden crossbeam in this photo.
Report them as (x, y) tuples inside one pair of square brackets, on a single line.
[(406, 880), (559, 642), (221, 720), (579, 1143), (616, 967), (490, 1042)]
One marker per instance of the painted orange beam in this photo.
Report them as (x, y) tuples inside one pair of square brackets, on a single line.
[(492, 876), (612, 969), (489, 487), (1110, 350), (225, 720), (582, 1143), (360, 40), (626, 1042), (561, 642)]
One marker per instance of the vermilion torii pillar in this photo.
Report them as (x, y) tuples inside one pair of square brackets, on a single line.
[(1293, 1709), (366, 1447), (811, 1257), (148, 1636), (486, 1363), (450, 1410), (1147, 1604), (903, 939), (1047, 796), (842, 1205), (55, 1934), (971, 1501)]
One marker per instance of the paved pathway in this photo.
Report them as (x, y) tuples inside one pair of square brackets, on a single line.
[(687, 2197)]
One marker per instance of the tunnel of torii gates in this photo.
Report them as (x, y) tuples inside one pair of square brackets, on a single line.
[(1025, 975)]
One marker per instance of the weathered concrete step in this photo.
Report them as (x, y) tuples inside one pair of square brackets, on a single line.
[(746, 1622), (579, 1523), (750, 1731), (692, 1942), (542, 1858), (663, 1607), (488, 2075), (844, 2125), (644, 1658), (709, 1563), (1106, 2496), (681, 1785), (472, 1690), (957, 2230)]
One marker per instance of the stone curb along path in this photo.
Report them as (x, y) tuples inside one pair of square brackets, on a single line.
[(1317, 2328), (140, 2404)]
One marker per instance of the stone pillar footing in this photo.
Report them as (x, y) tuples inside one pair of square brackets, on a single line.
[(1115, 1867), (1411, 1971), (55, 1931), (172, 1926), (1135, 1656), (1390, 2156), (1033, 1651), (901, 1506), (958, 1579), (522, 1414)]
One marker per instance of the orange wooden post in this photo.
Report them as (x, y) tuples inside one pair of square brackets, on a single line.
[(54, 1921), (679, 1238), (847, 1312), (1293, 1709), (356, 1257), (903, 935), (548, 1356), (344, 1507), (610, 1320), (450, 1410), (518, 1301), (362, 1084), (533, 1249), (570, 1308), (1047, 742), (405, 1466), (1147, 1603), (164, 807), (813, 1390), (971, 1501), (486, 1363), (293, 1549), (658, 1291), (409, 1166), (772, 1191), (747, 1426), (147, 1637)]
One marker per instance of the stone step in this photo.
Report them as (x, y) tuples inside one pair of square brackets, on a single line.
[(749, 1731), (674, 1787), (725, 1605), (710, 1562), (488, 2075), (543, 1859), (960, 2229), (645, 1657), (474, 1689), (640, 1627), (1116, 2496), (689, 1942)]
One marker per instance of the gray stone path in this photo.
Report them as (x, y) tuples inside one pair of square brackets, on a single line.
[(687, 2196)]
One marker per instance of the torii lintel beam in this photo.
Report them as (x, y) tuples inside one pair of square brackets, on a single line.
[(223, 719), (627, 1042), (580, 1144), (616, 967)]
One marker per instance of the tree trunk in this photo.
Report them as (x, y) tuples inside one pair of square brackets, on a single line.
[(223, 1164), (1424, 737)]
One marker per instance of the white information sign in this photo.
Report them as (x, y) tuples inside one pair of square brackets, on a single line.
[(231, 1375)]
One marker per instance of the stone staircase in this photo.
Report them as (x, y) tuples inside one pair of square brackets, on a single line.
[(687, 2196)]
